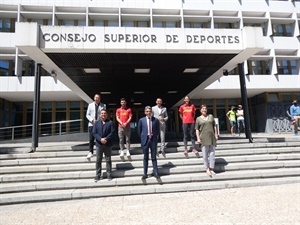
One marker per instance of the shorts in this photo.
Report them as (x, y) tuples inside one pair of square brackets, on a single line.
[(232, 123)]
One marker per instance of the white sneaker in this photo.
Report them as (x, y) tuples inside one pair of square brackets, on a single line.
[(121, 153), (90, 155), (128, 153)]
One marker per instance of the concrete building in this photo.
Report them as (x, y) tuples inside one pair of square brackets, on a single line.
[(146, 49)]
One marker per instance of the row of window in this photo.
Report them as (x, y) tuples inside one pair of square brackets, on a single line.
[(255, 67), (287, 30)]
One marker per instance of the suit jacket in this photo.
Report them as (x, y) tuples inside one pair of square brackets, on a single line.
[(157, 114), (90, 112), (143, 129), (106, 130)]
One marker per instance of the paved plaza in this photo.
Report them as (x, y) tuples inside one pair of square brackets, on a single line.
[(274, 205)]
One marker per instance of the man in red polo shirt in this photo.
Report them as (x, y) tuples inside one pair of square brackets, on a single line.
[(187, 113), (124, 115)]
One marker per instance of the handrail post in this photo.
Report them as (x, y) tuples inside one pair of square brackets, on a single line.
[(59, 128)]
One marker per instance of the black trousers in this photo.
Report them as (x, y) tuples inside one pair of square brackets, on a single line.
[(99, 156)]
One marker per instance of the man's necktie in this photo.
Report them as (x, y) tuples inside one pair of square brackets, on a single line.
[(149, 127), (96, 111)]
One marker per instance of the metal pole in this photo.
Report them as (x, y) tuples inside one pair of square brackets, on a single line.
[(60, 128), (245, 102), (13, 134), (36, 108)]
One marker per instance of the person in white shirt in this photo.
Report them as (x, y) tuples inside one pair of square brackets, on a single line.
[(161, 114), (92, 114), (240, 118)]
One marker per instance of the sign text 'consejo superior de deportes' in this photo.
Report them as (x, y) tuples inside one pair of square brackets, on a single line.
[(142, 38)]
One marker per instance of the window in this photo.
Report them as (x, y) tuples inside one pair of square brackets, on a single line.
[(273, 97), (225, 25), (66, 22), (127, 24), (171, 24), (260, 67), (142, 23), (282, 30), (98, 23), (112, 23), (81, 23), (287, 67), (234, 71), (195, 25), (157, 24), (4, 68), (286, 97), (5, 25), (74, 115)]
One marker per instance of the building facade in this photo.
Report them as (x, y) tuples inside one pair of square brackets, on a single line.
[(271, 67)]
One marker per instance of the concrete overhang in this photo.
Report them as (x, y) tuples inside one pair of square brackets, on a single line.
[(117, 52)]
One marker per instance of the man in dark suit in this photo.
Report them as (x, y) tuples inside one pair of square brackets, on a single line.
[(103, 132), (148, 131)]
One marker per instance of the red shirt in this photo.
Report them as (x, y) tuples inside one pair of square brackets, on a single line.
[(124, 114), (187, 112)]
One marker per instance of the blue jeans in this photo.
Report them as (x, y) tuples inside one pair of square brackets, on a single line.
[(188, 128), (238, 125)]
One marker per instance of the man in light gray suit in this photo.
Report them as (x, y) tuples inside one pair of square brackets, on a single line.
[(92, 113), (161, 114)]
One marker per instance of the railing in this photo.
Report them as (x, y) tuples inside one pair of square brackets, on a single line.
[(45, 129), (282, 125)]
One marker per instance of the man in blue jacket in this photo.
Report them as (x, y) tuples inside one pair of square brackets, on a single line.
[(295, 114), (148, 131), (103, 132)]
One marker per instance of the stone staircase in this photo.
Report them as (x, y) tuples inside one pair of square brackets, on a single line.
[(60, 171)]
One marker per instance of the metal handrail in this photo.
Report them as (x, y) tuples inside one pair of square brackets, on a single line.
[(12, 128)]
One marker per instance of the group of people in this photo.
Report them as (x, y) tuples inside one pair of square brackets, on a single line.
[(150, 128), (236, 118), (204, 128)]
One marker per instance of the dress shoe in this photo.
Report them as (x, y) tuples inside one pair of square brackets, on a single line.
[(156, 176), (32, 150), (144, 177), (109, 178), (97, 178)]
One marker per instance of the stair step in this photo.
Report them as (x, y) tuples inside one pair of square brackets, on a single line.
[(61, 159), (163, 170), (73, 147), (60, 171), (138, 162), (150, 188)]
